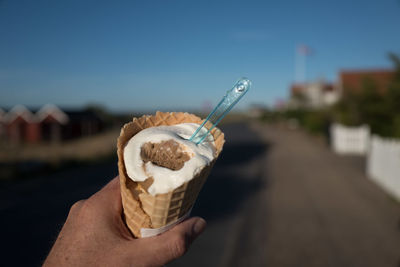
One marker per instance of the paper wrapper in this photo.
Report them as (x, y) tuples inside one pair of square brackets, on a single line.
[(142, 210)]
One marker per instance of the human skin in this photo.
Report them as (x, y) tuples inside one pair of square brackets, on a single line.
[(94, 234)]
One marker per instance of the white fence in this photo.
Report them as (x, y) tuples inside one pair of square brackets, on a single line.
[(350, 140), (383, 164), (383, 155)]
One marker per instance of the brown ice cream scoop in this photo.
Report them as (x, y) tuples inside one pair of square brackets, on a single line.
[(168, 154)]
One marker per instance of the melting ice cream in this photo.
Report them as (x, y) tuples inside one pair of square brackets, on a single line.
[(164, 154)]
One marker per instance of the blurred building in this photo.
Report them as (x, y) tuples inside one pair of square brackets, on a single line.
[(1, 123), (82, 123), (20, 125), (313, 95), (355, 80), (48, 124), (322, 94)]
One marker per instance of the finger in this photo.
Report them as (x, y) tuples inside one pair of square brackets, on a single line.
[(175, 242), (110, 195)]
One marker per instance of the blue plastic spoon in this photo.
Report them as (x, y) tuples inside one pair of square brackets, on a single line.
[(229, 100)]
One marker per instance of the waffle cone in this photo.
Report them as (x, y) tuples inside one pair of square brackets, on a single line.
[(142, 210)]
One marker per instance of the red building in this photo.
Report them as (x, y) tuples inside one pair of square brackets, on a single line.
[(354, 80), (20, 125), (49, 124)]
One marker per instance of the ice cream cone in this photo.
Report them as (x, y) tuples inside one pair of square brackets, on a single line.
[(141, 209)]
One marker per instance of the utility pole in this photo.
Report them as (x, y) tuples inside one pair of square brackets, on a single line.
[(302, 51)]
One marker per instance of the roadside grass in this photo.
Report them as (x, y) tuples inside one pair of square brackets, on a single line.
[(24, 161)]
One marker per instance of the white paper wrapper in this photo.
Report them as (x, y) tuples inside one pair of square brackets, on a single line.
[(148, 232)]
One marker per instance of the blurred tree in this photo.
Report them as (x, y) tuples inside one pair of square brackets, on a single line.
[(102, 112), (346, 110), (380, 110), (300, 99), (373, 108), (393, 97)]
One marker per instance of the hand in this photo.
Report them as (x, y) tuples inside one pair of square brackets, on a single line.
[(95, 235)]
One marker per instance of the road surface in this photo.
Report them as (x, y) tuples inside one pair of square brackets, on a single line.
[(275, 198)]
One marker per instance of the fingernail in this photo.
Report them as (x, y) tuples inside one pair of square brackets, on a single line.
[(199, 226)]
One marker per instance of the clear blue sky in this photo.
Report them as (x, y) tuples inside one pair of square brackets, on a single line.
[(175, 55)]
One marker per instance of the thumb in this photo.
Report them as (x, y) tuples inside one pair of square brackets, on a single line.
[(175, 242)]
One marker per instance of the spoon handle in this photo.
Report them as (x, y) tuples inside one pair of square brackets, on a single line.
[(229, 100)]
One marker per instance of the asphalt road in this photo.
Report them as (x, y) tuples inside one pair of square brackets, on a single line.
[(322, 210), (275, 198)]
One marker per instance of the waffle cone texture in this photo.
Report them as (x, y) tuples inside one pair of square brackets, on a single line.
[(142, 210)]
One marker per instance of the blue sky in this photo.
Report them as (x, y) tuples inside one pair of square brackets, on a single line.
[(135, 55)]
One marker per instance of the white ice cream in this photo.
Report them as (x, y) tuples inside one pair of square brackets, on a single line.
[(166, 180)]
